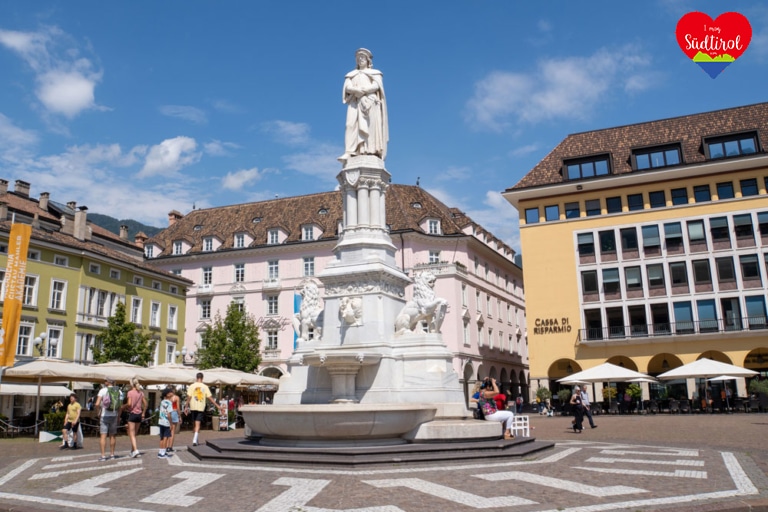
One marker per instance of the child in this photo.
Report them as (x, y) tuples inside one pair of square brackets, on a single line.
[(164, 422)]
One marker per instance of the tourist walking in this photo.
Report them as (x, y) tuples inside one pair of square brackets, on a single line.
[(578, 410), (71, 423), (109, 402), (175, 419), (587, 407), (137, 404), (197, 394), (164, 422)]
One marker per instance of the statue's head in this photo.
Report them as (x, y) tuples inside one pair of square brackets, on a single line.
[(364, 58)]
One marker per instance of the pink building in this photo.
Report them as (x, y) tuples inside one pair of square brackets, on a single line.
[(256, 254)]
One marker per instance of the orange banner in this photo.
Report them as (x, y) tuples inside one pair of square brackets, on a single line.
[(15, 272)]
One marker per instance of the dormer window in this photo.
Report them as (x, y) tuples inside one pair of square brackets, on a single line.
[(322, 211), (239, 240), (208, 244), (149, 251), (178, 248), (272, 237), (434, 227), (307, 233), (589, 167), (416, 205), (198, 227), (256, 220), (655, 157), (727, 146)]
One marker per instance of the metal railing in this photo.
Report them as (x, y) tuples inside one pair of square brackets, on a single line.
[(721, 325)]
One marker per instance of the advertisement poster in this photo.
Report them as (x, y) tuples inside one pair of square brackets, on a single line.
[(15, 272), (224, 416)]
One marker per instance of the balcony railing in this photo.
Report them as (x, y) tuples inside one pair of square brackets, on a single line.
[(271, 283), (750, 323), (204, 289), (443, 267), (271, 353), (92, 320)]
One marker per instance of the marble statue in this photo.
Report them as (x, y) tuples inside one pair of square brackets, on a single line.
[(425, 306), (351, 310), (367, 131), (310, 315)]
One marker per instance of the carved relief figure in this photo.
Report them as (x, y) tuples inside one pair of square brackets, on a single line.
[(424, 306), (367, 131), (310, 315), (351, 310)]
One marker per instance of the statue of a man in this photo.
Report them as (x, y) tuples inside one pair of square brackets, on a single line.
[(367, 131)]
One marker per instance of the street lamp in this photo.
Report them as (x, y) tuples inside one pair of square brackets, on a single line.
[(40, 343), (187, 356)]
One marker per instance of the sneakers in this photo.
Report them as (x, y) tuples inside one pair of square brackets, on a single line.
[(63, 447), (102, 459), (168, 450), (194, 444), (594, 426), (162, 456), (135, 454)]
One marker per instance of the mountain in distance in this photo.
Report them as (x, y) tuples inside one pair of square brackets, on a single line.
[(112, 224)]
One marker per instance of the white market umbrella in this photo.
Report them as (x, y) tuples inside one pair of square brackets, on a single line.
[(706, 368), (606, 372), (175, 373)]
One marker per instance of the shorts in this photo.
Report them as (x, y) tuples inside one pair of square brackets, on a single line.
[(174, 416), (165, 432), (198, 416), (71, 426), (134, 418), (108, 425)]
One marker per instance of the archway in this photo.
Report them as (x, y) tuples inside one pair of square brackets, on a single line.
[(504, 384), (558, 370), (467, 381), (757, 360), (624, 362), (661, 363), (715, 355)]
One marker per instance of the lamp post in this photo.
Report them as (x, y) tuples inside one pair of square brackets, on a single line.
[(39, 342), (188, 357)]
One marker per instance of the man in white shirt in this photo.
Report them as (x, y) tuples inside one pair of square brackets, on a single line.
[(108, 420), (587, 406)]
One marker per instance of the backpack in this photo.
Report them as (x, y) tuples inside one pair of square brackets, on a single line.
[(111, 400)]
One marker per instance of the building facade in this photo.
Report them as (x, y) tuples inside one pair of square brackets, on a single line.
[(257, 255), (76, 273), (647, 246)]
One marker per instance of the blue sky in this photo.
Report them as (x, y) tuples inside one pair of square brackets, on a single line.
[(137, 108)]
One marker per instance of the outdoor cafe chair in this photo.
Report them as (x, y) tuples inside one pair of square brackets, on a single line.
[(674, 407), (653, 407), (685, 406)]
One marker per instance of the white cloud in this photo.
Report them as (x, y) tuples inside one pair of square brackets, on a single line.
[(66, 81), (240, 179), (227, 107), (524, 150), (219, 148), (287, 132), (319, 160), (13, 136), (454, 174), (558, 88), (185, 112), (170, 156)]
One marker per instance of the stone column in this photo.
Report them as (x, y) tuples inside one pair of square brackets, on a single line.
[(363, 212), (351, 207), (376, 205)]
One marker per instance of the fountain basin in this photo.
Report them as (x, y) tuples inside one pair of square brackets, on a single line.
[(335, 424)]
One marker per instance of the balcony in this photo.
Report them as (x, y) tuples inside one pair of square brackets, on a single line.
[(270, 354), (442, 267), (205, 289), (271, 283), (90, 320), (672, 329)]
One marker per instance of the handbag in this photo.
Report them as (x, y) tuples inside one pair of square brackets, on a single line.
[(477, 413)]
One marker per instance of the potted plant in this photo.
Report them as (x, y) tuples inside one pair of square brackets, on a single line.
[(564, 396), (543, 394), (609, 394), (636, 392)]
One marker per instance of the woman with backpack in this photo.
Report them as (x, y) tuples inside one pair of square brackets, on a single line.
[(137, 404)]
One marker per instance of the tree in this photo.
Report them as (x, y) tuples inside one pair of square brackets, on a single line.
[(231, 343), (120, 341)]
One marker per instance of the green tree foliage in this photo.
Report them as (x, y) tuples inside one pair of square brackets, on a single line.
[(121, 341), (231, 343), (543, 393)]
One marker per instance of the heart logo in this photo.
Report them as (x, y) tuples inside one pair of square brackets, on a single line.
[(713, 44)]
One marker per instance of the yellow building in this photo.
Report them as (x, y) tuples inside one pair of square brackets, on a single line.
[(646, 246)]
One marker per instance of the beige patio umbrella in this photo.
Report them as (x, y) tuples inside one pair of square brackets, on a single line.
[(230, 377), (124, 372), (175, 373)]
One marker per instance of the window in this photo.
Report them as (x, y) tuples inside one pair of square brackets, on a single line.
[(742, 225), (30, 291), (309, 266), (718, 227), (488, 310), (239, 241), (696, 231), (114, 274), (683, 317), (607, 242), (138, 280), (23, 344), (239, 272), (157, 285), (673, 235), (749, 267), (172, 317), (465, 333), (635, 202), (749, 187), (725, 270), (434, 256), (207, 275), (592, 207), (272, 237), (154, 314), (434, 226), (552, 213), (54, 342), (33, 255), (701, 272), (239, 303), (307, 233), (101, 303), (205, 309), (589, 281), (611, 282), (656, 157), (731, 145), (613, 204), (678, 274), (572, 210), (61, 261), (207, 244), (633, 278), (586, 243), (149, 251), (657, 199), (755, 312), (272, 339), (464, 294), (173, 289), (93, 268), (587, 168), (702, 194), (273, 269), (170, 348), (271, 304), (178, 248), (136, 310), (679, 196), (651, 236), (725, 190), (531, 215), (707, 315), (762, 222), (594, 322), (58, 294), (628, 239), (655, 276)]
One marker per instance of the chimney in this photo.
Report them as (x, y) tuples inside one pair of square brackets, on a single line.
[(43, 203), (81, 228), (72, 205), (22, 188), (140, 239), (173, 216), (3, 186), (36, 221), (123, 232), (3, 210)]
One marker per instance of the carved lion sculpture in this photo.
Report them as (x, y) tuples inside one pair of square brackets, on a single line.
[(425, 306), (310, 315)]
